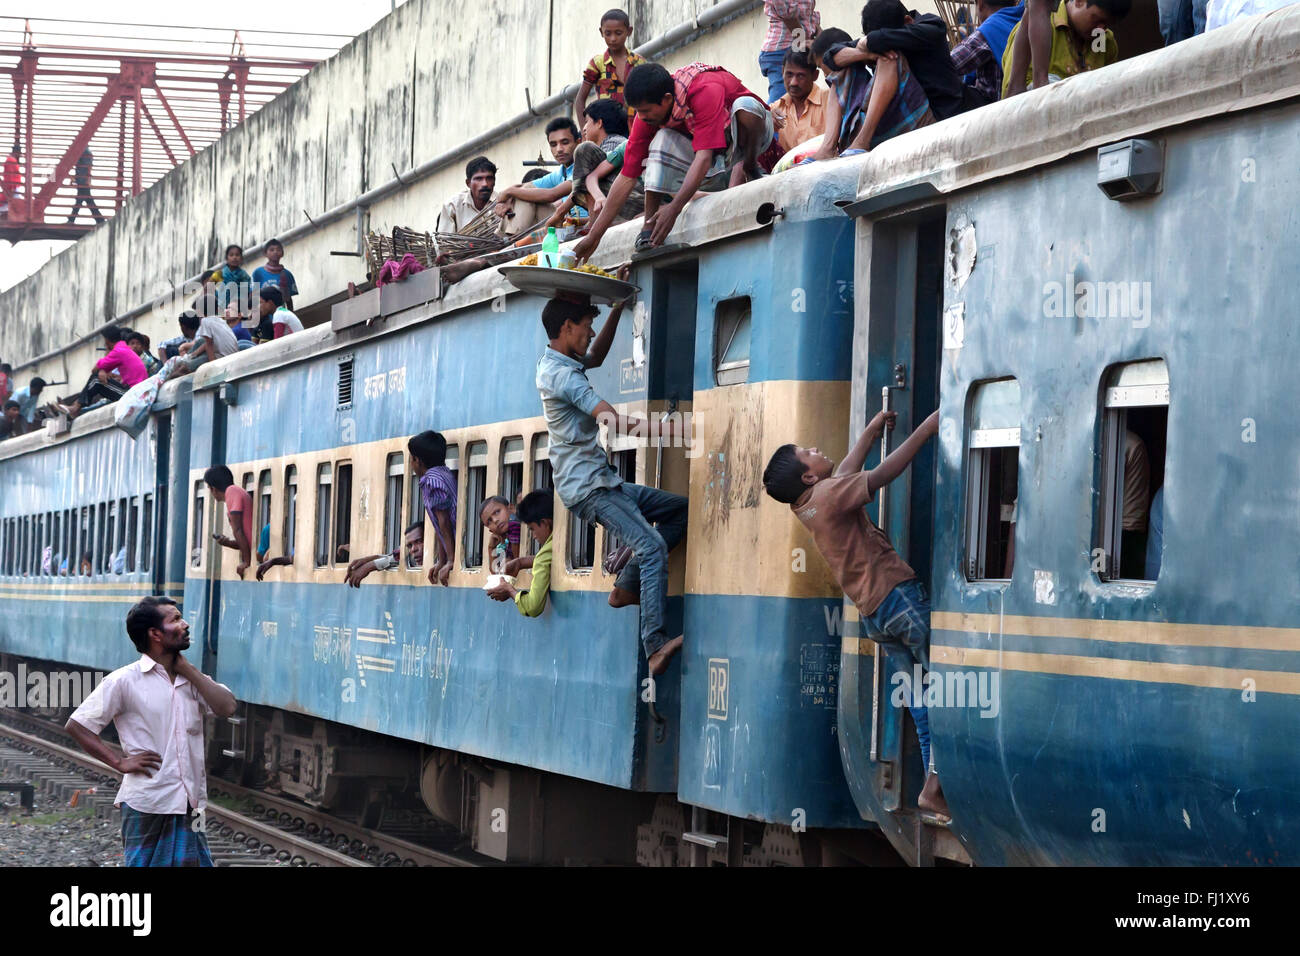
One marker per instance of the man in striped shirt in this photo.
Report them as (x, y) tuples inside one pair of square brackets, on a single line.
[(979, 57), (791, 24), (438, 492)]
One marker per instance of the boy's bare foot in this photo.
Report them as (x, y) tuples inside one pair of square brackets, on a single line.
[(932, 800), (660, 658), (621, 598)]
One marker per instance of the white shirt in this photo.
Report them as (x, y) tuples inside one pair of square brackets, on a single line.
[(215, 330), (291, 322), (153, 713), (1219, 13)]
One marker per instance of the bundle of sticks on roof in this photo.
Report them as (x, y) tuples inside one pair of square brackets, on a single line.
[(479, 236), (380, 247)]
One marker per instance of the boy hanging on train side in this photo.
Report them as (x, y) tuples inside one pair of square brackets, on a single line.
[(438, 492), (894, 605)]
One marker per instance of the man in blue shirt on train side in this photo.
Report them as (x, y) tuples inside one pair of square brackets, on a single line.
[(586, 483)]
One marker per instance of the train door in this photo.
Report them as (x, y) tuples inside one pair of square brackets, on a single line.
[(898, 339)]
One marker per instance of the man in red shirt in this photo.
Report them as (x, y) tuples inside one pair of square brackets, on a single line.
[(698, 128), (239, 509)]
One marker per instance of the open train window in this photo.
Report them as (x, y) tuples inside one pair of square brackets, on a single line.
[(343, 513), (475, 495), (1134, 428), (56, 549), (415, 512), (731, 326), (541, 480), (324, 499), (132, 533), (992, 480), (85, 539), (624, 463), (289, 542), (146, 535), (512, 470), (107, 530), (394, 488), (264, 495), (197, 542)]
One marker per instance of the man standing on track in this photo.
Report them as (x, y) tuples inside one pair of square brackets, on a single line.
[(157, 704)]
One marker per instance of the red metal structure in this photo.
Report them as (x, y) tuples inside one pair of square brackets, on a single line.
[(173, 90)]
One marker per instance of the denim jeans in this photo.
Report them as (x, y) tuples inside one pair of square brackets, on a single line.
[(901, 627), (628, 511), (1180, 19), (769, 64)]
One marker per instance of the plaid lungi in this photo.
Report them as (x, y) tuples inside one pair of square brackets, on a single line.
[(671, 153), (586, 158), (909, 110), (163, 839)]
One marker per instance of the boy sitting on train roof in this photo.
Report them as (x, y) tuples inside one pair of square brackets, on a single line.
[(361, 568), (587, 483), (830, 502), (1075, 46), (536, 510), (698, 128), (438, 492)]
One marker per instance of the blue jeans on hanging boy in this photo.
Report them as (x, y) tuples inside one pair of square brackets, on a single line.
[(901, 628), (628, 511)]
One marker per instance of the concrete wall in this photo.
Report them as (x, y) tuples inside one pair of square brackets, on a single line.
[(427, 77)]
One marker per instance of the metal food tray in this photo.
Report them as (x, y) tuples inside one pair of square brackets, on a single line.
[(544, 281)]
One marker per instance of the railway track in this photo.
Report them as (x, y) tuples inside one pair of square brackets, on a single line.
[(234, 839), (275, 831)]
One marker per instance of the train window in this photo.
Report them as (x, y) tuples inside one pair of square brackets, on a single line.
[(197, 542), (624, 463), (343, 513), (511, 481), (264, 491), (146, 535), (118, 558), (393, 501), (415, 511), (290, 541), (345, 382), (56, 551), (582, 544), (731, 326), (107, 525), (324, 495), (132, 533), (86, 540), (992, 480), (542, 480), (475, 495), (1135, 422)]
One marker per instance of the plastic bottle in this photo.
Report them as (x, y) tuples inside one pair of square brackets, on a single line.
[(551, 249)]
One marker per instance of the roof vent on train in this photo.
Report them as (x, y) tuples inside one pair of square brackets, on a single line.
[(345, 382)]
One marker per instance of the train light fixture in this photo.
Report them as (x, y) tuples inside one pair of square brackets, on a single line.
[(1131, 169)]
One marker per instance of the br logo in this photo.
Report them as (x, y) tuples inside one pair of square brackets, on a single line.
[(719, 681)]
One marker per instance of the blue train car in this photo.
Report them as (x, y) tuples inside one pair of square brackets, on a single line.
[(1107, 518), (743, 329), (84, 519)]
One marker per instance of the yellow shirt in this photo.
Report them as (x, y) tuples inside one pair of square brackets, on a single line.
[(1070, 53), (532, 602), (800, 129)]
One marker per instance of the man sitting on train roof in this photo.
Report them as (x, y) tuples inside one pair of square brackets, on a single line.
[(11, 423), (212, 341), (584, 479), (1074, 47), (361, 568), (28, 400), (116, 372), (170, 348), (979, 57), (696, 129), (537, 511), (464, 207), (529, 203), (271, 306), (239, 509), (830, 501)]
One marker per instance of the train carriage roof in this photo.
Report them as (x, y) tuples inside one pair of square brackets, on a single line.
[(1249, 63)]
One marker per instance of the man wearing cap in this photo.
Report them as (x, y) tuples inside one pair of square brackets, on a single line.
[(584, 480)]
